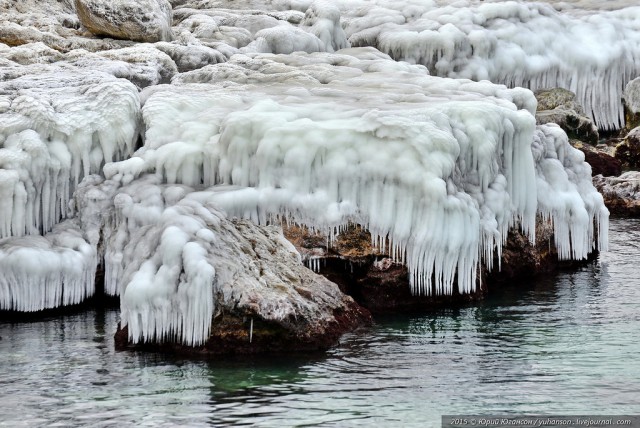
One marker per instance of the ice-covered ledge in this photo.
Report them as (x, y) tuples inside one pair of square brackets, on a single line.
[(436, 169)]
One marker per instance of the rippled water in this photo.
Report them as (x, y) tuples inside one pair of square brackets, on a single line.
[(568, 344)]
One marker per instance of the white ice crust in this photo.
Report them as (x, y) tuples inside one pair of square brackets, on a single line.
[(437, 169)]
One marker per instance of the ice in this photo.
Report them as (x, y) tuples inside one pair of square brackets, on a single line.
[(592, 53), (56, 127), (44, 272), (436, 169)]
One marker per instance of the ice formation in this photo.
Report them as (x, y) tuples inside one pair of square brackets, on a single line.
[(437, 169), (55, 128), (158, 253), (529, 44), (567, 196), (44, 272), (176, 260)]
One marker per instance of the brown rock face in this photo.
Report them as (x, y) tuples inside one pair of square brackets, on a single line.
[(628, 151), (382, 286), (601, 162), (141, 21), (234, 334)]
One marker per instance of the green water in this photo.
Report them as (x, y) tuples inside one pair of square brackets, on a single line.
[(567, 344)]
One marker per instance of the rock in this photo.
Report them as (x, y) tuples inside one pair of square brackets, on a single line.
[(141, 20), (628, 151), (559, 106), (621, 194), (382, 286), (521, 258), (218, 286), (599, 158), (631, 98)]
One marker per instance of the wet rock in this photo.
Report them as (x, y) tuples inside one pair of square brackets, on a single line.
[(600, 159), (621, 194), (560, 106), (628, 151), (381, 285), (141, 20)]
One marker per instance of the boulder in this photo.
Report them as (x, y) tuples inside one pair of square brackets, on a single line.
[(560, 106), (194, 282), (628, 151), (621, 194), (631, 98), (140, 21), (601, 161)]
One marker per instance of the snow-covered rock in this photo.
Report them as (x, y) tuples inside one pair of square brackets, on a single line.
[(139, 20), (573, 45)]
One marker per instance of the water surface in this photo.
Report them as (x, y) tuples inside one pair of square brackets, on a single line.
[(566, 344)]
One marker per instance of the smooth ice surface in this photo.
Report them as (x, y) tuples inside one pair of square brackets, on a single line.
[(437, 169), (56, 127), (43, 272)]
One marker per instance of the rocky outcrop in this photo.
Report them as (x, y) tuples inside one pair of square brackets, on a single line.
[(141, 20), (621, 194), (194, 281), (560, 106), (600, 158), (381, 285), (628, 151)]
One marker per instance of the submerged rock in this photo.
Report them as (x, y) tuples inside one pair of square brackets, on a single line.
[(141, 20)]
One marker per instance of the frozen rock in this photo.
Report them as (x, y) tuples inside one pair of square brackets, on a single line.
[(436, 169), (56, 127), (580, 47), (187, 274), (140, 20), (621, 194)]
